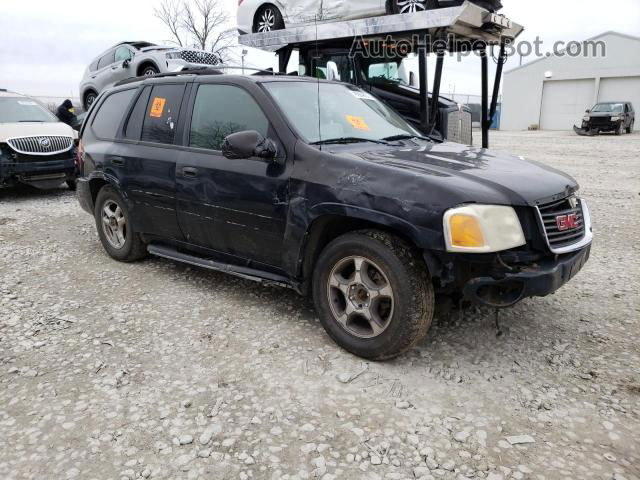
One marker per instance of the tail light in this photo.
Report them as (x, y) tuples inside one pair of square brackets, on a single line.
[(80, 158)]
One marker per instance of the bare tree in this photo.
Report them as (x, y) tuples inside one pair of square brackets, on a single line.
[(198, 23)]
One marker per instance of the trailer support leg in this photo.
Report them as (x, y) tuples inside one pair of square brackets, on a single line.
[(424, 87), (435, 95), (496, 84), (284, 55), (485, 99)]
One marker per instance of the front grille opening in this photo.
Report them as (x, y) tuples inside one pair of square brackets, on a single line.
[(41, 145), (558, 221)]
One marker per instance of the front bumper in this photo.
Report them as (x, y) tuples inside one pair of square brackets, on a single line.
[(178, 65), (538, 280), (40, 174)]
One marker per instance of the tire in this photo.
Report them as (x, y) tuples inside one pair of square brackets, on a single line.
[(402, 299), (630, 129), (149, 70), (268, 19), (89, 99), (72, 184), (619, 130), (127, 246), (411, 6)]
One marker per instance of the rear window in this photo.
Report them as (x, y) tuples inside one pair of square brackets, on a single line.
[(161, 115), (109, 116)]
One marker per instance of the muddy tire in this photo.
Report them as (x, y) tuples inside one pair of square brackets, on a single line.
[(116, 232), (373, 294)]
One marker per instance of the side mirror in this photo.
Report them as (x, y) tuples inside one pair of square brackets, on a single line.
[(126, 63), (248, 144), (587, 111)]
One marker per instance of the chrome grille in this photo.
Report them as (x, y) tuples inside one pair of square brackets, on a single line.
[(459, 127), (41, 145), (549, 214), (200, 57)]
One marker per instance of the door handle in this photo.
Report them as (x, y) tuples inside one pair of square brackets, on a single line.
[(117, 161), (190, 172)]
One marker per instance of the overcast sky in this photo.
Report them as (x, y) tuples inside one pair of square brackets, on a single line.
[(46, 44)]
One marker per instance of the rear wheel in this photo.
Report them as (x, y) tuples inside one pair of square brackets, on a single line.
[(268, 19), (115, 229), (373, 294), (89, 99)]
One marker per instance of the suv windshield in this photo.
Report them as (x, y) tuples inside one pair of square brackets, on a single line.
[(23, 109), (609, 107), (343, 112)]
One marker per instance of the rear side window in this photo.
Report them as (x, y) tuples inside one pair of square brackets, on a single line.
[(221, 110), (94, 66), (134, 125), (106, 60), (109, 117), (161, 114)]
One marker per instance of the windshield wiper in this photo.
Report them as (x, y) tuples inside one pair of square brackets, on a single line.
[(346, 140), (405, 136)]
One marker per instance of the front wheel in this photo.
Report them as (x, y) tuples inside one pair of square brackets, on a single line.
[(115, 228), (630, 129), (89, 100), (268, 19), (620, 129), (411, 6), (373, 294), (150, 71)]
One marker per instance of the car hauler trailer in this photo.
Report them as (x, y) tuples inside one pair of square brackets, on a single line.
[(455, 29)]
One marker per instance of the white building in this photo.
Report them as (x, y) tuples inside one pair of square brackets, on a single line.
[(554, 92)]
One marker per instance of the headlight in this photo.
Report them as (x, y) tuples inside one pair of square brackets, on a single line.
[(586, 118), (482, 229), (173, 55), (615, 119)]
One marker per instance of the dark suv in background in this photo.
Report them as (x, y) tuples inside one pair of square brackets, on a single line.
[(321, 187), (616, 117)]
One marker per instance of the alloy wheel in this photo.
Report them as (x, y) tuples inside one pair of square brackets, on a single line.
[(410, 6), (114, 224), (90, 99), (149, 72), (267, 20), (360, 296)]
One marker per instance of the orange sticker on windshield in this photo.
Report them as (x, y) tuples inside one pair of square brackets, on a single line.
[(157, 107), (357, 122)]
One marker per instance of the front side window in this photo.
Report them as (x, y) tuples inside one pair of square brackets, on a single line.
[(122, 54), (221, 110), (23, 109), (327, 111), (161, 117), (109, 116)]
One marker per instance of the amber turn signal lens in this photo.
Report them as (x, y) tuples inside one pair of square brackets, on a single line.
[(466, 231)]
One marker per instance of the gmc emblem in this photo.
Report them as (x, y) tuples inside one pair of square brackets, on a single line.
[(567, 222)]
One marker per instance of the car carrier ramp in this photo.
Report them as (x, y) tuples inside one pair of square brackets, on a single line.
[(468, 22)]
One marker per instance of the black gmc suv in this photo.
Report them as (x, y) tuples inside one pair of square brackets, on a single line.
[(320, 187)]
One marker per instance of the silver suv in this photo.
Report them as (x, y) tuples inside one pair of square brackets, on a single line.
[(136, 59)]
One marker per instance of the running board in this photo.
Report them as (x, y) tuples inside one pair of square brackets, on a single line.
[(235, 270)]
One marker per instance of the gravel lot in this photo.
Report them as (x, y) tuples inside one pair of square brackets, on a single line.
[(158, 370)]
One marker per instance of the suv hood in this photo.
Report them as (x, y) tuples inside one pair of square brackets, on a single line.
[(478, 175), (35, 129), (604, 114)]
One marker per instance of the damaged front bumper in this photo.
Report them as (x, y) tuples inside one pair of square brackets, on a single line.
[(536, 280), (42, 174), (585, 132)]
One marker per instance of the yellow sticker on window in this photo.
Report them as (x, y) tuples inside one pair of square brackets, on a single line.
[(157, 107), (357, 122)]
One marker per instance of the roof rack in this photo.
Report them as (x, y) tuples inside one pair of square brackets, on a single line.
[(467, 22), (196, 71)]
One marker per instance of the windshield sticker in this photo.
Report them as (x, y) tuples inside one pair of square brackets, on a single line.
[(157, 107), (361, 95), (27, 102), (357, 122)]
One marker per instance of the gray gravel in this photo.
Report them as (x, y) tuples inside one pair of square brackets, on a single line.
[(157, 370)]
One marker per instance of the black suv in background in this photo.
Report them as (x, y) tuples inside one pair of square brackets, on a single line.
[(617, 117), (320, 187)]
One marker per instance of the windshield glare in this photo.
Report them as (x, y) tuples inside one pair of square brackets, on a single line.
[(344, 112), (609, 107), (23, 109)]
